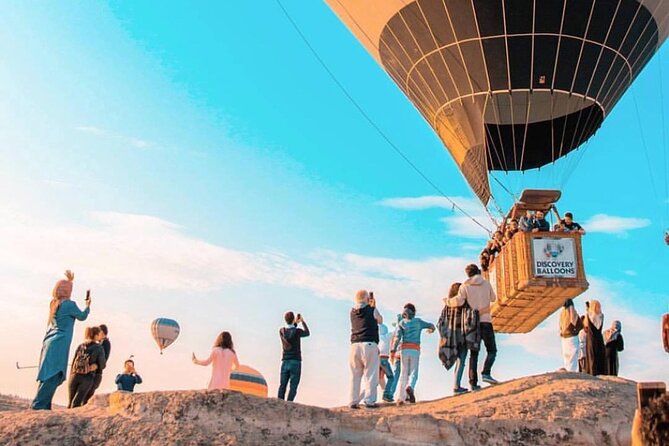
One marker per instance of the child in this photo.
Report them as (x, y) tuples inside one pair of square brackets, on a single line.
[(126, 381), (408, 342), (386, 369)]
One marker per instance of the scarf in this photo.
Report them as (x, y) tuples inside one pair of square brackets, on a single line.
[(612, 333), (568, 316), (597, 319)]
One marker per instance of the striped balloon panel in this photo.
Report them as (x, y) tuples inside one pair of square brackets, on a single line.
[(248, 380)]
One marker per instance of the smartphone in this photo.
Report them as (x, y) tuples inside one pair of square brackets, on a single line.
[(88, 294), (648, 391)]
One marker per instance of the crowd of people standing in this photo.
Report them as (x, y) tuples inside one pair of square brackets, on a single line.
[(90, 358), (378, 357), (586, 347)]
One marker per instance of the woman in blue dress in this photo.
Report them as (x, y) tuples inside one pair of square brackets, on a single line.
[(56, 345)]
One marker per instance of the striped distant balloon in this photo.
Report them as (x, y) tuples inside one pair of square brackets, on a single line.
[(248, 380), (165, 332)]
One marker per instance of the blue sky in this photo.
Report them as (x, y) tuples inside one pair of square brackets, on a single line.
[(198, 162)]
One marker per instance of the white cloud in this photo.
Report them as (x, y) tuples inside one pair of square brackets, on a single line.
[(610, 224), (135, 142), (141, 251), (458, 224)]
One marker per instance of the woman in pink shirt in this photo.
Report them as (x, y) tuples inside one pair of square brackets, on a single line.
[(224, 361)]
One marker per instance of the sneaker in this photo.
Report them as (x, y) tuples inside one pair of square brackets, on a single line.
[(460, 391), (475, 387), (371, 406), (387, 399), (354, 406), (489, 379), (411, 395)]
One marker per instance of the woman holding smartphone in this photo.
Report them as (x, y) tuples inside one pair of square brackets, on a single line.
[(63, 312)]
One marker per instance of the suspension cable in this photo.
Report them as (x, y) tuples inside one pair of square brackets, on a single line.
[(371, 121)]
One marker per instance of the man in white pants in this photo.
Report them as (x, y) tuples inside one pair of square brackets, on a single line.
[(363, 358)]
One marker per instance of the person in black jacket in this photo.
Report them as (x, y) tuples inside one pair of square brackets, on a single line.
[(106, 346), (88, 358), (539, 224), (291, 360)]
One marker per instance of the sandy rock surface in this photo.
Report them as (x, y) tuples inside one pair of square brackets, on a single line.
[(550, 409)]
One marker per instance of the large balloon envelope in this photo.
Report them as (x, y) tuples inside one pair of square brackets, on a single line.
[(165, 332), (509, 85)]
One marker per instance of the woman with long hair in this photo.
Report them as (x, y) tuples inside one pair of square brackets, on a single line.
[(570, 326), (223, 359), (63, 312), (595, 352), (89, 358)]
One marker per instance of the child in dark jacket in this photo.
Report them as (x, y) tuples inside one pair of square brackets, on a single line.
[(126, 381)]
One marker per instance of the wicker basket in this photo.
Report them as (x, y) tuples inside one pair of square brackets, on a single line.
[(523, 299)]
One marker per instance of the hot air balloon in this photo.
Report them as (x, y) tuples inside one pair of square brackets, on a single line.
[(248, 380), (165, 332), (513, 85)]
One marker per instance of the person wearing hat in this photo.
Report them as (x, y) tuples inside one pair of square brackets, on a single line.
[(52, 369), (479, 295)]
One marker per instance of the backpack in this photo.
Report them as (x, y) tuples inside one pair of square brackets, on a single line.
[(81, 363)]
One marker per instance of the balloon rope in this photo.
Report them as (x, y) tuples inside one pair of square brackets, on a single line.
[(372, 123)]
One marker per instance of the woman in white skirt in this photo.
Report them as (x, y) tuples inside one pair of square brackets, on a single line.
[(570, 326)]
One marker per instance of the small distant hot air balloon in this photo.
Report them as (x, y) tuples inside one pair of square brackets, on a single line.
[(165, 332), (248, 380)]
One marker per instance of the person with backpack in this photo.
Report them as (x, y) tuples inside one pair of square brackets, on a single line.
[(408, 341), (479, 295), (223, 359), (291, 359), (570, 327), (88, 358), (106, 346), (52, 369)]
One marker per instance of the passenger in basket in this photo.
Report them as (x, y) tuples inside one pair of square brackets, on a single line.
[(525, 223), (511, 231), (484, 259), (478, 293), (539, 224), (492, 248), (569, 225)]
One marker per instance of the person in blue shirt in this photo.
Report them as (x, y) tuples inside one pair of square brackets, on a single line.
[(408, 341), (52, 368), (127, 380)]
